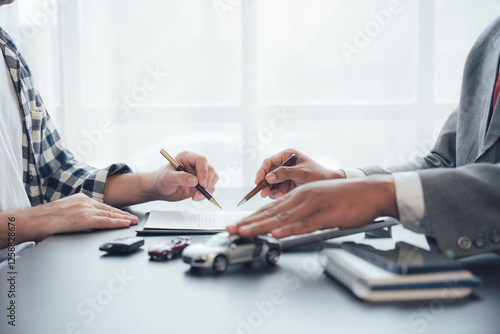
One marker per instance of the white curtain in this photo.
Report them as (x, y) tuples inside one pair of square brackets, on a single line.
[(349, 83)]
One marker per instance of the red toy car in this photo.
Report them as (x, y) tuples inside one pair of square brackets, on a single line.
[(168, 249)]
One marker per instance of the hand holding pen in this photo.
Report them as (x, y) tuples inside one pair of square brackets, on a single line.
[(281, 179), (178, 186), (202, 175), (290, 161)]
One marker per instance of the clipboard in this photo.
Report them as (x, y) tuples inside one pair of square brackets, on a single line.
[(188, 223)]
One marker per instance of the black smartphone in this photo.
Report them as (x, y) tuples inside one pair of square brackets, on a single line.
[(404, 258), (122, 245)]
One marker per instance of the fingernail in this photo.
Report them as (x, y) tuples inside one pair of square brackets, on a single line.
[(278, 194), (277, 232), (271, 177)]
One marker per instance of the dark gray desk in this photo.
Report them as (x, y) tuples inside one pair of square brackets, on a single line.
[(66, 285)]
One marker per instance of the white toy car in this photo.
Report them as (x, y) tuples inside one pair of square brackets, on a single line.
[(224, 249)]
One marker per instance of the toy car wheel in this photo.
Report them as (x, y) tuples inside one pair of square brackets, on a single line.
[(220, 264), (272, 256), (169, 256)]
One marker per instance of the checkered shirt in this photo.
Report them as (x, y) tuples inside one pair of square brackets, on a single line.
[(50, 171)]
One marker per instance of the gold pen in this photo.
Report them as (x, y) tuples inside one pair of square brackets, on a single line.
[(291, 161), (181, 168)]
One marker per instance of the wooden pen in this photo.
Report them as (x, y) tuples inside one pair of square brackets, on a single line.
[(291, 161)]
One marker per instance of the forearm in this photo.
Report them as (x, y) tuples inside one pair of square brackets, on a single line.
[(129, 189), (382, 191), (23, 225)]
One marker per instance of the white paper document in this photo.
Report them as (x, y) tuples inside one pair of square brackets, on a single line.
[(193, 221)]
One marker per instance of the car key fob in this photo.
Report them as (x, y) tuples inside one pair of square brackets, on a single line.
[(123, 245)]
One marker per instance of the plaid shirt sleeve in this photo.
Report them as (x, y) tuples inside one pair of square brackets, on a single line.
[(50, 171)]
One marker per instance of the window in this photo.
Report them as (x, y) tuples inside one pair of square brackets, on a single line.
[(348, 83)]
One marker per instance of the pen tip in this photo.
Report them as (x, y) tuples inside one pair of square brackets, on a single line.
[(242, 201), (216, 203)]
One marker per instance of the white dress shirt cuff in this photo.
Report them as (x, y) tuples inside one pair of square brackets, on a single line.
[(351, 173), (410, 202)]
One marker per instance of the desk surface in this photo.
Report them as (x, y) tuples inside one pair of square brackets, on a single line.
[(66, 285)]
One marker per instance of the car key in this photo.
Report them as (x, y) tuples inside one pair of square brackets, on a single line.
[(122, 245)]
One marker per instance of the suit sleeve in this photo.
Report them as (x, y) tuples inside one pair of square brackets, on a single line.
[(463, 207)]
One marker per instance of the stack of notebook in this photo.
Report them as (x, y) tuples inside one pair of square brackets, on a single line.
[(404, 273)]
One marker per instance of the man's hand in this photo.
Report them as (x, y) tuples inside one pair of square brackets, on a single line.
[(323, 204), (165, 184), (285, 179), (172, 185), (79, 212), (70, 214)]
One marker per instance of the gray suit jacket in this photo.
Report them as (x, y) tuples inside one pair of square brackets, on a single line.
[(461, 175)]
